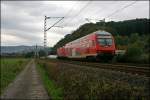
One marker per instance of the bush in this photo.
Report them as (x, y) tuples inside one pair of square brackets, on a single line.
[(29, 55), (41, 53), (134, 52), (121, 58), (145, 58), (134, 38), (137, 49)]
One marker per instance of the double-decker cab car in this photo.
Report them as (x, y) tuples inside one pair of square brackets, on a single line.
[(96, 45)]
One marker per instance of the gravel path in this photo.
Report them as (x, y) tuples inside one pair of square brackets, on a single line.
[(27, 85)]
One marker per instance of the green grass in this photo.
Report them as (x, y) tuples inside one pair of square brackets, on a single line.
[(10, 68), (53, 91)]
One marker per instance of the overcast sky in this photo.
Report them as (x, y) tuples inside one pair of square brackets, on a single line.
[(22, 21)]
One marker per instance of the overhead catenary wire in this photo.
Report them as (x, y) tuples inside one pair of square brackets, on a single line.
[(118, 10), (82, 13), (87, 18), (102, 9), (99, 10), (55, 23), (65, 16), (77, 14), (86, 5)]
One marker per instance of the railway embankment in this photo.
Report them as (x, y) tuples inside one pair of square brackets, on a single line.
[(85, 82)]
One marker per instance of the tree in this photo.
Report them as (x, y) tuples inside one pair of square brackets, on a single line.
[(134, 51), (29, 54), (121, 41), (134, 38), (42, 53)]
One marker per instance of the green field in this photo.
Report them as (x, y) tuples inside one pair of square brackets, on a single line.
[(10, 68)]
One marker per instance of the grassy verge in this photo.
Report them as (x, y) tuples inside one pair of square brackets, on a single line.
[(10, 68), (85, 83), (53, 91)]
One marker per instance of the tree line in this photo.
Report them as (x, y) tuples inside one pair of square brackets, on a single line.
[(123, 28)]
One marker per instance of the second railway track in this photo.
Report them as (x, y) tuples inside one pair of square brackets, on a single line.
[(133, 69)]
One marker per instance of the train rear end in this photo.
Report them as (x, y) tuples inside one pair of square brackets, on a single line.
[(61, 52)]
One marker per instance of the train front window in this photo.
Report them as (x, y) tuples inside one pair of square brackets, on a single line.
[(109, 41), (105, 41)]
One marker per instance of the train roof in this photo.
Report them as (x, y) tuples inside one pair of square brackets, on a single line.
[(101, 32)]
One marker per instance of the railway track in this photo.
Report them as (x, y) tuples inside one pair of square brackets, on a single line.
[(133, 69)]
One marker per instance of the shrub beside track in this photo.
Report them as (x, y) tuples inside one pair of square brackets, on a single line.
[(82, 82), (140, 69)]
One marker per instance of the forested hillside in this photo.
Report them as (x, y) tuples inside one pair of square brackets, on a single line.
[(130, 35), (121, 28)]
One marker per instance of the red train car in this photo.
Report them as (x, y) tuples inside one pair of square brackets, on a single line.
[(98, 44), (61, 52)]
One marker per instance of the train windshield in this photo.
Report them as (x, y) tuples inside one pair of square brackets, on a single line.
[(105, 41)]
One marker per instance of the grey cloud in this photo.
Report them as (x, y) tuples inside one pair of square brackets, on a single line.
[(21, 34), (25, 19)]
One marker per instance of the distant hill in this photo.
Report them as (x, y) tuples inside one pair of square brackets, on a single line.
[(19, 49), (126, 28)]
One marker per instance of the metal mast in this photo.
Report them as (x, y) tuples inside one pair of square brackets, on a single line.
[(45, 36), (45, 29)]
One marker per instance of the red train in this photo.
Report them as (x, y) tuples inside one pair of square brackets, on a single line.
[(97, 45)]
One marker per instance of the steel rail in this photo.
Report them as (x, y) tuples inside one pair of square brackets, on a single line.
[(139, 70)]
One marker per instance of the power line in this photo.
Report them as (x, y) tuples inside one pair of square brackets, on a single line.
[(105, 7), (65, 16), (55, 23), (77, 14), (86, 5), (69, 11), (88, 19), (83, 8), (99, 10), (118, 10), (103, 20), (102, 9), (80, 12)]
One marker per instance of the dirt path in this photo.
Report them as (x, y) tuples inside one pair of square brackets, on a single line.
[(27, 85)]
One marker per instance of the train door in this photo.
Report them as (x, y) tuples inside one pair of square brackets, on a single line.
[(73, 52)]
